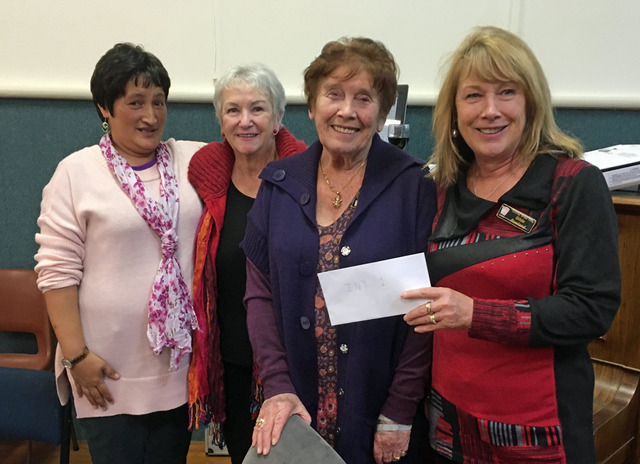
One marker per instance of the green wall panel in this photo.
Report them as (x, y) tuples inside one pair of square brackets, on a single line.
[(36, 134)]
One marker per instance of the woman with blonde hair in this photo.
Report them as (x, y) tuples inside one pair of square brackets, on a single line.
[(524, 262)]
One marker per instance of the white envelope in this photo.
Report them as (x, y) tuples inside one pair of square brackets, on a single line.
[(372, 291)]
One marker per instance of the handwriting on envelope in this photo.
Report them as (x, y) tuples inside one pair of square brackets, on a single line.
[(372, 291)]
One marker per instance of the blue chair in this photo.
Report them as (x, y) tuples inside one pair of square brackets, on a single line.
[(29, 405)]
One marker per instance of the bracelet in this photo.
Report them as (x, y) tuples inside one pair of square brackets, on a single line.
[(387, 425)]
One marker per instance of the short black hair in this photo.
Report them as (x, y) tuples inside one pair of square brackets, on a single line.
[(118, 66)]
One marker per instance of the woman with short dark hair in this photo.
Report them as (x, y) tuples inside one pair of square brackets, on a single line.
[(117, 226)]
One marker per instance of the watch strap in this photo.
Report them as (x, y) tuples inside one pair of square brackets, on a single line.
[(70, 363)]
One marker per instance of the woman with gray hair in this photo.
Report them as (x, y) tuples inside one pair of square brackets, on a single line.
[(249, 103)]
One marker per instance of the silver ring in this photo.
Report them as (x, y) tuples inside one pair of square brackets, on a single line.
[(433, 318)]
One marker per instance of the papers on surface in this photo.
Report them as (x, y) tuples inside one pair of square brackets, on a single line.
[(372, 291), (620, 164)]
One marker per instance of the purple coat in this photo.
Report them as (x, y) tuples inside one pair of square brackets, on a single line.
[(393, 218)]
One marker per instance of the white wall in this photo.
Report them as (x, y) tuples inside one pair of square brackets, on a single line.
[(48, 48)]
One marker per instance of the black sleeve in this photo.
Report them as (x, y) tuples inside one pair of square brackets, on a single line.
[(586, 296)]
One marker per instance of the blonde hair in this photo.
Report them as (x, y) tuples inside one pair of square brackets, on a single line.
[(494, 55)]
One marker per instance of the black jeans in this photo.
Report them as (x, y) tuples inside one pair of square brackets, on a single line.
[(161, 437)]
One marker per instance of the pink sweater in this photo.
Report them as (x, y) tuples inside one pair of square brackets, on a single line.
[(92, 236)]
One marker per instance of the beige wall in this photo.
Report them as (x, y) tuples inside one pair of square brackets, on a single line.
[(589, 48)]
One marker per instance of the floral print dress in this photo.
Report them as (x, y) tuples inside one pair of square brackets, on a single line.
[(328, 259)]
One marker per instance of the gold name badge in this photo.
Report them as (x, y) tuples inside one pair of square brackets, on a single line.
[(516, 218)]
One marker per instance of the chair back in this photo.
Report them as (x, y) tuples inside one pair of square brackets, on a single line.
[(29, 405), (298, 443), (22, 309)]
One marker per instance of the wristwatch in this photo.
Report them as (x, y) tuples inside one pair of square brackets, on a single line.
[(70, 363)]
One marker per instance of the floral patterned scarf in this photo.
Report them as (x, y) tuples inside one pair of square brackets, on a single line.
[(171, 315)]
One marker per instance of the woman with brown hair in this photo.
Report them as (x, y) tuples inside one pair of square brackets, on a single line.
[(349, 199)]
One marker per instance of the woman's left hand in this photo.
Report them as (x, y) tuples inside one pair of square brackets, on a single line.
[(447, 309), (390, 446)]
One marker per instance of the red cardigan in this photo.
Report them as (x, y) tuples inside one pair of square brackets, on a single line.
[(210, 173)]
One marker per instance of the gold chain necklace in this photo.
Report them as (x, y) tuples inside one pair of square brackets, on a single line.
[(492, 191), (337, 201), (475, 177)]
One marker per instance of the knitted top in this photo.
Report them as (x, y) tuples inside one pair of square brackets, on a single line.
[(92, 236)]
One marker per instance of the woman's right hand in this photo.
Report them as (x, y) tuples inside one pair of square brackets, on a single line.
[(274, 414), (89, 375)]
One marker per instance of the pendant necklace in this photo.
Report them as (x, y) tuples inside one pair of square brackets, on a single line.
[(337, 201)]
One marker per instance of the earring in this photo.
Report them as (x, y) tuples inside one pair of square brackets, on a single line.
[(454, 133), (105, 126), (275, 131)]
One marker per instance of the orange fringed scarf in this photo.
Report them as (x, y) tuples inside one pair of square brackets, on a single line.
[(206, 369)]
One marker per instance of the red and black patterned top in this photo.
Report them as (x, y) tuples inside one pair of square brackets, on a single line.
[(518, 385)]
